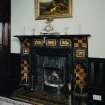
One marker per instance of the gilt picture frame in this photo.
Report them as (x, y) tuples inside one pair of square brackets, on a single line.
[(45, 9)]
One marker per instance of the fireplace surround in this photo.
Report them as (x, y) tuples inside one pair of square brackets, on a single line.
[(54, 66)]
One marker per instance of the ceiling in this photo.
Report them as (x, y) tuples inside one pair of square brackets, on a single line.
[(5, 6)]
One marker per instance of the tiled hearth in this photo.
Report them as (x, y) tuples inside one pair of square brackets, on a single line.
[(54, 69)]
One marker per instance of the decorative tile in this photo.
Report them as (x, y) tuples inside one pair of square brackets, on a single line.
[(38, 42), (25, 46), (25, 70), (65, 42), (79, 79), (51, 42), (26, 50), (25, 43), (80, 43), (80, 53)]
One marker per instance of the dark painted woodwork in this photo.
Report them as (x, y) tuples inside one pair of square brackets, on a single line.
[(96, 80), (5, 13), (9, 73), (5, 10)]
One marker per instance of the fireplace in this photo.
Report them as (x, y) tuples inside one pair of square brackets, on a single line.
[(54, 68), (50, 69)]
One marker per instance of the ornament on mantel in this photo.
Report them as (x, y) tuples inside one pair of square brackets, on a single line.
[(66, 29), (49, 29), (33, 31), (24, 30)]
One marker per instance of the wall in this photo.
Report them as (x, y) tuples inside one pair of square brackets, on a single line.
[(88, 18)]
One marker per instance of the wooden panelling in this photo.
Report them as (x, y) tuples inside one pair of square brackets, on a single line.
[(9, 73)]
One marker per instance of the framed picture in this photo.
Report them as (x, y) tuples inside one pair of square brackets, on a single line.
[(45, 9)]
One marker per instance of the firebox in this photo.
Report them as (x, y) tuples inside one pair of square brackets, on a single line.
[(54, 69), (51, 69)]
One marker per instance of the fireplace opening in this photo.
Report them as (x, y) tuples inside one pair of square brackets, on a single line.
[(51, 69)]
